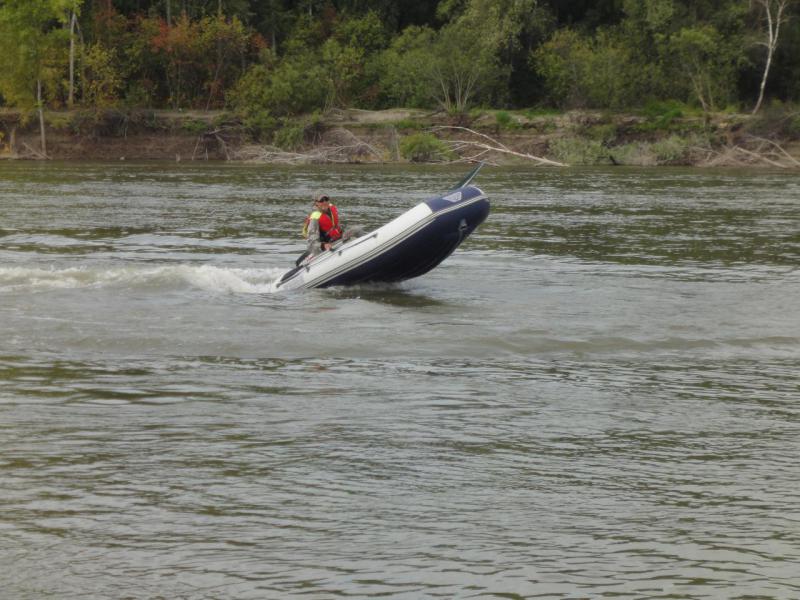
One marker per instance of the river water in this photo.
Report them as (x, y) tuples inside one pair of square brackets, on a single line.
[(596, 396)]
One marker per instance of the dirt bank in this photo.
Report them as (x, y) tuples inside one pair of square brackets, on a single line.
[(402, 135)]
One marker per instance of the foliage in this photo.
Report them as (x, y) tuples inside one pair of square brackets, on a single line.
[(102, 79), (194, 126), (33, 46), (289, 137), (596, 73), (267, 59), (673, 150), (701, 53), (579, 151), (404, 69), (464, 68), (663, 115), (505, 120), (424, 147), (295, 85), (776, 120)]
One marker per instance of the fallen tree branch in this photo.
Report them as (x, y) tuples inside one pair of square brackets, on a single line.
[(780, 149), (492, 145), (760, 157), (36, 153)]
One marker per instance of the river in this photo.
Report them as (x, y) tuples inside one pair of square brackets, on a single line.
[(597, 395)]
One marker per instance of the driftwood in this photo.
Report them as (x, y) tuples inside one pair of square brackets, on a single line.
[(337, 146), (487, 145), (215, 136), (38, 155), (750, 151)]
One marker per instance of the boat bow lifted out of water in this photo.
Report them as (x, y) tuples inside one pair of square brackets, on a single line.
[(409, 246)]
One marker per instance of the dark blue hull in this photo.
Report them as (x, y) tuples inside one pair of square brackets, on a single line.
[(417, 242), (425, 249)]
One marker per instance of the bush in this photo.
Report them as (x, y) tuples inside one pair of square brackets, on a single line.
[(195, 126), (661, 116), (424, 147), (408, 124), (295, 85), (671, 150), (776, 120), (260, 123), (404, 69), (505, 120), (289, 137), (581, 72), (580, 151)]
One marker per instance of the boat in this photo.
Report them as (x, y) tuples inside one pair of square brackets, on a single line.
[(408, 246)]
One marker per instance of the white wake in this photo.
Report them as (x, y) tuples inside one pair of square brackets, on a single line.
[(204, 277)]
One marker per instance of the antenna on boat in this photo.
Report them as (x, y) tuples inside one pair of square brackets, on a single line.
[(469, 177)]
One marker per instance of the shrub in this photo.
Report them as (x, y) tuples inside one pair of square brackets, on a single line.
[(604, 133), (295, 85), (408, 124), (580, 71), (424, 147), (580, 151), (671, 150), (505, 120), (103, 81), (289, 137), (260, 123), (661, 116), (195, 126), (776, 120)]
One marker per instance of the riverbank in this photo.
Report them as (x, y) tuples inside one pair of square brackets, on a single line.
[(665, 135)]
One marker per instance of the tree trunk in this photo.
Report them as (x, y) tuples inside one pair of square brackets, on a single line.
[(41, 116), (169, 12), (773, 30), (71, 98), (12, 141)]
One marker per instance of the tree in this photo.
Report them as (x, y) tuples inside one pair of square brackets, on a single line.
[(774, 14), (103, 81), (223, 39), (707, 61), (562, 63), (33, 43), (403, 69), (463, 67)]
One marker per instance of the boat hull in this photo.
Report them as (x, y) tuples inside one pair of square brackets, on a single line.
[(407, 247)]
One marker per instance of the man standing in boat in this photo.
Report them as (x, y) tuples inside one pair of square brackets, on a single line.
[(324, 226)]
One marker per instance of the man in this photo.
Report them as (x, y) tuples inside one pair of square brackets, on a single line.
[(323, 227)]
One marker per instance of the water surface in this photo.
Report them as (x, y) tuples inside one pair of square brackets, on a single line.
[(596, 396)]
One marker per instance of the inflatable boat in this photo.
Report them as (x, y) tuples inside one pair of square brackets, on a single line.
[(406, 247)]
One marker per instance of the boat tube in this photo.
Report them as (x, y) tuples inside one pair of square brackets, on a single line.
[(409, 246)]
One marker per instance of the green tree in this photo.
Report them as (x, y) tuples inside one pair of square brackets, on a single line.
[(345, 55), (465, 67), (704, 59), (221, 42), (404, 69), (34, 42), (294, 85), (563, 63), (103, 81)]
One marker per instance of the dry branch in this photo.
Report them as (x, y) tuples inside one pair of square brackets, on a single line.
[(760, 156), (779, 149), (340, 146), (491, 145)]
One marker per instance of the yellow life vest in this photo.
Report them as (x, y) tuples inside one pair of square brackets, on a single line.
[(314, 216)]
